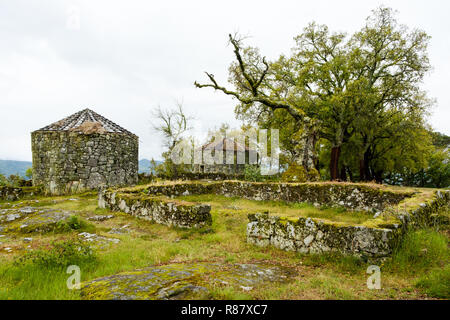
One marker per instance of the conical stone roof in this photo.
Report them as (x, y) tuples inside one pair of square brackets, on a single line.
[(86, 121)]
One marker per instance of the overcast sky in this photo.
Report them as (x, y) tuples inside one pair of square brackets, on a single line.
[(124, 58)]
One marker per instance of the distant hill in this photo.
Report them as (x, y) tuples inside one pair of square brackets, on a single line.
[(144, 165), (9, 167)]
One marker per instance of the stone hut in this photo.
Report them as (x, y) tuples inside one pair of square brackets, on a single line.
[(238, 157), (83, 151)]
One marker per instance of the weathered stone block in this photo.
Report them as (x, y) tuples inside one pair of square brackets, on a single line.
[(160, 210), (298, 235)]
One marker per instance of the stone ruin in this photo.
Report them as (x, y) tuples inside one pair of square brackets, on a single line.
[(83, 151), (235, 156), (375, 238)]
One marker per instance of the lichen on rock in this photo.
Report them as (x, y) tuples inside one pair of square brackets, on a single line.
[(308, 235), (182, 281), (158, 209)]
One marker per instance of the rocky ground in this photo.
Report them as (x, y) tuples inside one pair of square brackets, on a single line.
[(182, 281), (22, 222)]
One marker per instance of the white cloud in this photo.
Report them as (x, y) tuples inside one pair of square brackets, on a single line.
[(127, 57)]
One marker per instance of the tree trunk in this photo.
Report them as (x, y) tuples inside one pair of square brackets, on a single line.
[(305, 146), (368, 173), (378, 175), (364, 167), (350, 174), (343, 174), (334, 162)]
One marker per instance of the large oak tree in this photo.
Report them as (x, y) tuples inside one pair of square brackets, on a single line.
[(334, 87)]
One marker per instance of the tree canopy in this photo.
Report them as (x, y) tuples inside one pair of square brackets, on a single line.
[(354, 101)]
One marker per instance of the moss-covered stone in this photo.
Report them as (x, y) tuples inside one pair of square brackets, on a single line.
[(375, 237), (32, 220), (182, 281), (307, 235), (361, 197), (16, 193), (158, 209), (433, 211)]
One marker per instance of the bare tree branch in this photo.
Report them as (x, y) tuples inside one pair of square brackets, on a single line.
[(254, 84)]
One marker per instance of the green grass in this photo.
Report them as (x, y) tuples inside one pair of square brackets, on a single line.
[(436, 283), (41, 274), (280, 208), (424, 254), (30, 283), (420, 251)]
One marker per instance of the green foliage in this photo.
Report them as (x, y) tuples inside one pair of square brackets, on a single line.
[(14, 181), (440, 140), (3, 180), (29, 173), (61, 255), (74, 223), (361, 93), (252, 173), (294, 173), (432, 169), (145, 178), (78, 224), (313, 175), (438, 171), (169, 170)]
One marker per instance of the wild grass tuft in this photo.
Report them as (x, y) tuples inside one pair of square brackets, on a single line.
[(436, 283), (420, 251), (60, 255), (41, 274)]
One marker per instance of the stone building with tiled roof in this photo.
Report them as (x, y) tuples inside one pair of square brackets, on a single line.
[(83, 151), (235, 157)]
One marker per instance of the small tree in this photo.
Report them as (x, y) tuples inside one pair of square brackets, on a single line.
[(173, 125), (29, 173)]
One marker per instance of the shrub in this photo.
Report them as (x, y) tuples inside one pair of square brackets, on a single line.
[(29, 173), (252, 173), (144, 178), (313, 175), (3, 180), (294, 173), (14, 181), (75, 223), (60, 255)]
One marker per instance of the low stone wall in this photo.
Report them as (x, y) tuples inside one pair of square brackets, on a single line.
[(307, 235), (394, 209), (351, 196), (162, 211), (215, 176), (13, 193), (435, 211)]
